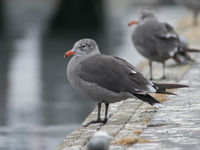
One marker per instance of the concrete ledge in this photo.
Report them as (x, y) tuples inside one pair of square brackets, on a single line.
[(176, 126), (130, 121)]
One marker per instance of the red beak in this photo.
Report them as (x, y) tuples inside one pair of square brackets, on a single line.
[(132, 23), (69, 53)]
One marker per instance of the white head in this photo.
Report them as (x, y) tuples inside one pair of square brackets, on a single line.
[(83, 47), (147, 15), (144, 16)]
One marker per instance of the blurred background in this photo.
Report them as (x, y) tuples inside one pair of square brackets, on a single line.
[(38, 107)]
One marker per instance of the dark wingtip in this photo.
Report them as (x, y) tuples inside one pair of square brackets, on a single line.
[(182, 86), (191, 50), (165, 92), (170, 86)]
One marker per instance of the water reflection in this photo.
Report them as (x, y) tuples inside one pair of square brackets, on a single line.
[(4, 61), (24, 81)]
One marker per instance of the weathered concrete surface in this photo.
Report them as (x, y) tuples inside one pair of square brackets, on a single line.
[(173, 127), (176, 126), (125, 119)]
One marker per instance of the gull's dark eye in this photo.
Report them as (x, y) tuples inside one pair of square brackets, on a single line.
[(83, 46), (143, 17)]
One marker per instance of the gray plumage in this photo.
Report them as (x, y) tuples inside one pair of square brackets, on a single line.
[(108, 79), (99, 141), (111, 73), (158, 41), (194, 5)]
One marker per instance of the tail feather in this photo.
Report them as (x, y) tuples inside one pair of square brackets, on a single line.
[(165, 92), (166, 86), (147, 98), (192, 50), (161, 89), (182, 56), (178, 59)]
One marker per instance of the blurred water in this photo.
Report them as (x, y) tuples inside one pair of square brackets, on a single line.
[(38, 107)]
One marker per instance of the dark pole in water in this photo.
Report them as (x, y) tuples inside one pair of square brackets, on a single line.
[(78, 14), (1, 16)]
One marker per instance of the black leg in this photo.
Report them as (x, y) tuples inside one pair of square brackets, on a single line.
[(98, 117), (106, 113), (99, 112), (163, 77), (150, 70), (195, 18)]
